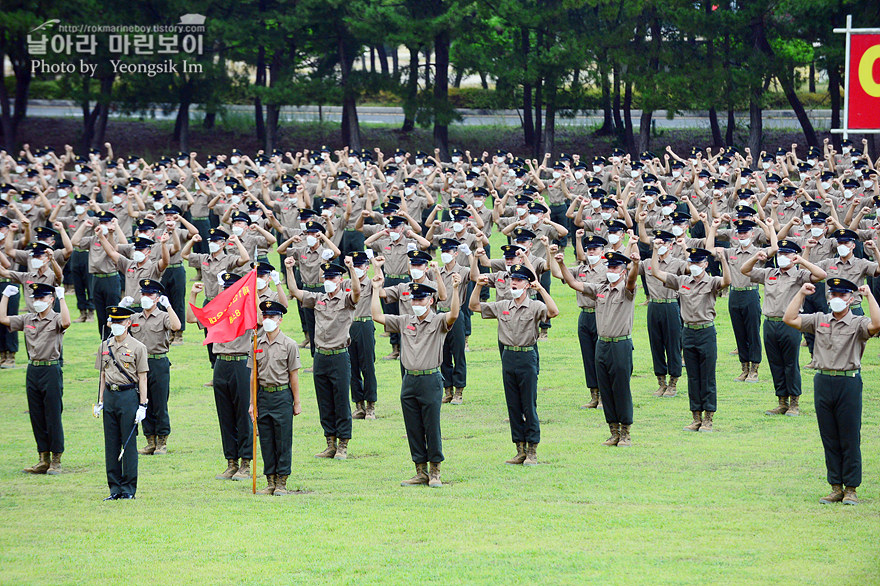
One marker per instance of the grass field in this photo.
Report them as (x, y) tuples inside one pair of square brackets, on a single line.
[(735, 506)]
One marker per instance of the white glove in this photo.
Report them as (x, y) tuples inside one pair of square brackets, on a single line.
[(464, 248), (10, 290), (59, 292), (369, 252), (126, 302), (327, 254), (141, 414), (163, 300), (220, 279), (410, 246), (276, 278), (96, 409)]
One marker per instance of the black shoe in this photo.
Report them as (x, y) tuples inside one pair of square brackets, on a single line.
[(125, 496), (113, 497)]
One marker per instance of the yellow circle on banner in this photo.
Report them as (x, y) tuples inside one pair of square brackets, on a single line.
[(866, 71)]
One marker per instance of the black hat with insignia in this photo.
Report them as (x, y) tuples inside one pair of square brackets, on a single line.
[(421, 290), (332, 269), (520, 234), (119, 314), (229, 278), (838, 285), (615, 259), (150, 286), (418, 257), (593, 241), (215, 234), (448, 243), (272, 308), (39, 290), (511, 250), (698, 254), (521, 272)]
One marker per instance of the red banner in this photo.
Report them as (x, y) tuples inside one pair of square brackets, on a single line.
[(864, 82), (232, 312)]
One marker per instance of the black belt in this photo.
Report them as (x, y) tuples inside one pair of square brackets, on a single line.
[(115, 387)]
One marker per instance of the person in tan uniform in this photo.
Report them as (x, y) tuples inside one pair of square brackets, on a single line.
[(698, 292), (278, 365), (519, 320), (155, 327), (421, 351), (454, 366), (841, 336), (122, 361), (43, 334), (362, 350), (615, 305), (782, 344)]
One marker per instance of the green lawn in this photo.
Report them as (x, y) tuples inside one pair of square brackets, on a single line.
[(735, 506)]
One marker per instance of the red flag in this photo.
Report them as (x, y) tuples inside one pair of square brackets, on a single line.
[(232, 312)]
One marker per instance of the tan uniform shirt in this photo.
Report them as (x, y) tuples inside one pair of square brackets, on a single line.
[(446, 275), (133, 273), (240, 346), (736, 258), (212, 266), (333, 316), (362, 309), (309, 261), (47, 277), (840, 343), (517, 323), (42, 335), (152, 330), (853, 269), (400, 294), (99, 262), (421, 341), (656, 288), (277, 360), (131, 356), (615, 307), (779, 287), (696, 297), (586, 273), (396, 260)]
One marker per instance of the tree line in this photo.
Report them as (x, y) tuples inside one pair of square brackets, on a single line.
[(663, 54)]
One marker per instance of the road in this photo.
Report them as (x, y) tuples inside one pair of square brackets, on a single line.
[(393, 116)]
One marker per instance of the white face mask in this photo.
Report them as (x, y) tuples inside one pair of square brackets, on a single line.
[(138, 256), (227, 190), (469, 184), (407, 191), (478, 203), (744, 242), (702, 182), (254, 217), (826, 185), (848, 193), (722, 169), (765, 166), (677, 231), (330, 286), (667, 210), (456, 159), (446, 257), (595, 203), (117, 329), (235, 199), (420, 310), (846, 150), (269, 325), (132, 166), (676, 174), (784, 262), (593, 258), (695, 270), (416, 273), (868, 183), (613, 238), (36, 263), (237, 230), (789, 203), (612, 277), (147, 303), (116, 199), (26, 207), (557, 174), (41, 306), (520, 212), (843, 250), (597, 169), (395, 236), (743, 180), (605, 216), (578, 175), (234, 160), (311, 241), (837, 304), (82, 177), (213, 247), (248, 182), (457, 226), (517, 293), (261, 283), (633, 174), (518, 182), (662, 250), (359, 272), (326, 212), (533, 219), (817, 232), (398, 160), (62, 193)]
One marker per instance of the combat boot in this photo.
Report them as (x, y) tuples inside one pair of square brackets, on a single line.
[(544, 334), (457, 398), (40, 467), (706, 425), (306, 342), (835, 496), (3, 359), (531, 455), (360, 412), (671, 391), (161, 445), (753, 373), (447, 395), (82, 317), (520, 454), (341, 450), (599, 397), (331, 448), (661, 386), (371, 410), (594, 400), (849, 496), (793, 408), (270, 485), (395, 353), (421, 477), (90, 316), (150, 447), (625, 441), (231, 469), (779, 410), (434, 476), (615, 435), (746, 366), (696, 423), (55, 464), (281, 485), (244, 471)]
